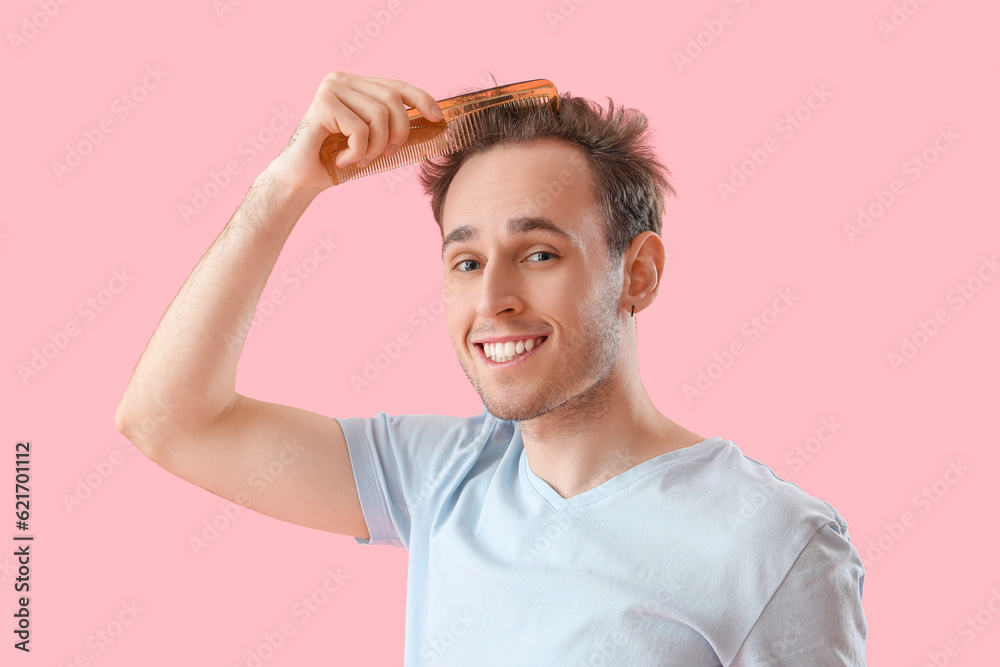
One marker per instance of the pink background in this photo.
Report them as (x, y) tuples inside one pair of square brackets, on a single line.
[(827, 357)]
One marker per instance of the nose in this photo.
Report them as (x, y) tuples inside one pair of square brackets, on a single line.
[(500, 291)]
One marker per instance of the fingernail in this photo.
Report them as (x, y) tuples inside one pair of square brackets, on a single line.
[(364, 163), (437, 110), (392, 148)]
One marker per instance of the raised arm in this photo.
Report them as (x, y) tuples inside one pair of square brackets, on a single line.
[(210, 435)]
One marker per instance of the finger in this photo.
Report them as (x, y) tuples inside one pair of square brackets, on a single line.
[(373, 114), (384, 111), (416, 97), (342, 112), (398, 120)]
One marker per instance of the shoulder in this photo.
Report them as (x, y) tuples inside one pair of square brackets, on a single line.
[(405, 465), (748, 497), (745, 525), (744, 528), (427, 431), (418, 447)]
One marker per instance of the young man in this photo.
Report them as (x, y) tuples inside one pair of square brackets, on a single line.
[(570, 523)]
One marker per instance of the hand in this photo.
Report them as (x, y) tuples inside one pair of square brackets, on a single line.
[(369, 111)]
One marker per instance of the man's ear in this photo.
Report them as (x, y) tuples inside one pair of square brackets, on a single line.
[(643, 266)]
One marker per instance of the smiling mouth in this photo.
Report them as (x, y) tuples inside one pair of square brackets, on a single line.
[(517, 357)]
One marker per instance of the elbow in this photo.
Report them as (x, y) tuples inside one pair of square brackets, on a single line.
[(142, 421), (120, 424), (137, 432), (123, 418)]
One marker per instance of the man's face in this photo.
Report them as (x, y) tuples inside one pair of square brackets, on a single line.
[(531, 283)]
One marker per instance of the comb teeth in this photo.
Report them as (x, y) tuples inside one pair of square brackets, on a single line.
[(460, 129)]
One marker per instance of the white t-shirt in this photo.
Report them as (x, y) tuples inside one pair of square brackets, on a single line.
[(700, 556)]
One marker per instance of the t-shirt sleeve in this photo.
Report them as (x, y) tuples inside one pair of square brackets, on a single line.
[(404, 463), (815, 616)]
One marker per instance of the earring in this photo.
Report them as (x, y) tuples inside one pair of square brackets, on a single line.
[(633, 311)]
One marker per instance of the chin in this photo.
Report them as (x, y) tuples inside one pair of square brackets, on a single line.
[(517, 409)]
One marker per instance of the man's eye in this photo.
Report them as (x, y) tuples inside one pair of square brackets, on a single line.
[(466, 261)]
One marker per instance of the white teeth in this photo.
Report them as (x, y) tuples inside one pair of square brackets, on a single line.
[(501, 352)]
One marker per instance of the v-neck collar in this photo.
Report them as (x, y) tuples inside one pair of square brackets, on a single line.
[(608, 487)]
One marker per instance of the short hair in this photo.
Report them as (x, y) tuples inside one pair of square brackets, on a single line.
[(629, 179)]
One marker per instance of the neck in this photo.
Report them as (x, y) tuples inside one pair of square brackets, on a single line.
[(600, 433)]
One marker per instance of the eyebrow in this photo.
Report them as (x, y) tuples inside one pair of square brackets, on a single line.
[(518, 225)]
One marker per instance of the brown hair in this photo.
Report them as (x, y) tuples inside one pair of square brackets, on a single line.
[(629, 180)]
